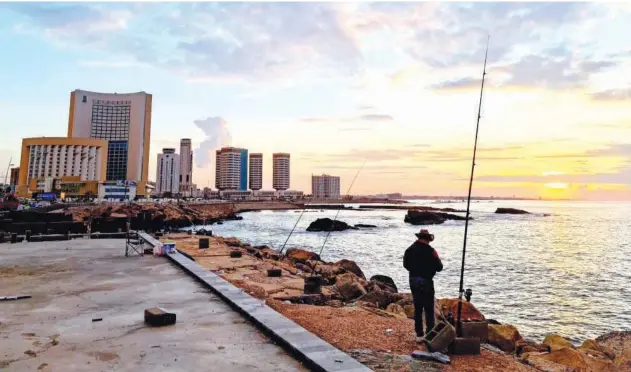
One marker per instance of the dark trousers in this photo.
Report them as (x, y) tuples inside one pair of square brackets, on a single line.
[(423, 295)]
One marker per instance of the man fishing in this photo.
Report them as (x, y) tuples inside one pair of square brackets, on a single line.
[(422, 261)]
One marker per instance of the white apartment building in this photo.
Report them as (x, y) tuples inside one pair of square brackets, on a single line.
[(325, 187), (228, 173), (168, 172), (125, 121), (256, 171), (186, 166), (280, 171)]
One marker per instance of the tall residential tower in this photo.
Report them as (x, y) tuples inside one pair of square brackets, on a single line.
[(122, 119), (168, 172), (256, 171), (186, 165), (280, 171)]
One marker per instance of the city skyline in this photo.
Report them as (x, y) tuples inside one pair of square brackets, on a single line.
[(393, 84)]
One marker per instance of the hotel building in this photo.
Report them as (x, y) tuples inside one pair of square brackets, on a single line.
[(231, 170), (325, 187), (280, 171), (122, 119), (48, 158), (256, 171), (186, 166), (168, 172)]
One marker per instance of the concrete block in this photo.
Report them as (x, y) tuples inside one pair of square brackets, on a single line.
[(475, 329), (204, 243), (274, 273), (465, 346), (313, 284), (157, 317), (440, 337)]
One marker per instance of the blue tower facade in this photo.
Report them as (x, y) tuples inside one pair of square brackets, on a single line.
[(243, 177)]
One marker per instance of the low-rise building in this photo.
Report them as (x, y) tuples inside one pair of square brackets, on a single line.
[(49, 158), (117, 190)]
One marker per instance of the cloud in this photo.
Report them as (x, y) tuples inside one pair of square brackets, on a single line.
[(464, 83), (379, 118), (109, 64), (205, 41), (621, 176), (612, 95), (217, 135)]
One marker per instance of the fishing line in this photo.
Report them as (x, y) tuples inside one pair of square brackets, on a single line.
[(340, 209), (304, 207)]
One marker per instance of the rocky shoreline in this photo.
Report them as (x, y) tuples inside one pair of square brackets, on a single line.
[(371, 320)]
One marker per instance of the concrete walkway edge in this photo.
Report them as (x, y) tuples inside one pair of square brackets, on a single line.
[(315, 353)]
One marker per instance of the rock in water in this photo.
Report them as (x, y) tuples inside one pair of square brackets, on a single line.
[(351, 266), (327, 224), (365, 226), (504, 336), (422, 217), (510, 211), (385, 280)]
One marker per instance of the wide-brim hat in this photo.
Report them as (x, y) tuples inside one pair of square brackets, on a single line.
[(425, 235)]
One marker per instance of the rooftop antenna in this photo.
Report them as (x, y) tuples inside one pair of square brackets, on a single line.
[(466, 225)]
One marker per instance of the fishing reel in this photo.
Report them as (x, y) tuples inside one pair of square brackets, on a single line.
[(467, 294)]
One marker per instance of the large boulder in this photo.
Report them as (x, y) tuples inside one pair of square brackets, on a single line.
[(557, 342), (510, 211), (570, 360), (421, 217), (504, 337), (593, 345), (327, 224), (380, 298), (384, 279), (396, 310), (529, 346), (301, 255), (469, 311), (349, 287), (620, 343), (351, 266)]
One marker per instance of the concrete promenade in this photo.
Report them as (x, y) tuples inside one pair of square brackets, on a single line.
[(74, 282)]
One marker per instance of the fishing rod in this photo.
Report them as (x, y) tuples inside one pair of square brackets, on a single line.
[(339, 209), (305, 207), (466, 225)]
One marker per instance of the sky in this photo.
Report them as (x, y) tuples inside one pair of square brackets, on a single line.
[(392, 86)]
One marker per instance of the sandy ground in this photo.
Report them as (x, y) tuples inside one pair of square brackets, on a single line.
[(74, 282)]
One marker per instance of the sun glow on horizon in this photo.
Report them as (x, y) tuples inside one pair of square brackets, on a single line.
[(556, 185)]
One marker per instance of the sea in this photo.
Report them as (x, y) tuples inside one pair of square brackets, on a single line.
[(565, 268)]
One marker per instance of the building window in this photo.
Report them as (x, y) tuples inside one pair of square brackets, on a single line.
[(116, 161)]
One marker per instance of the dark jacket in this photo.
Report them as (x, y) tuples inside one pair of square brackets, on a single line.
[(421, 260)]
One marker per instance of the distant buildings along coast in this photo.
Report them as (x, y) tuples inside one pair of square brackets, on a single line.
[(325, 187)]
